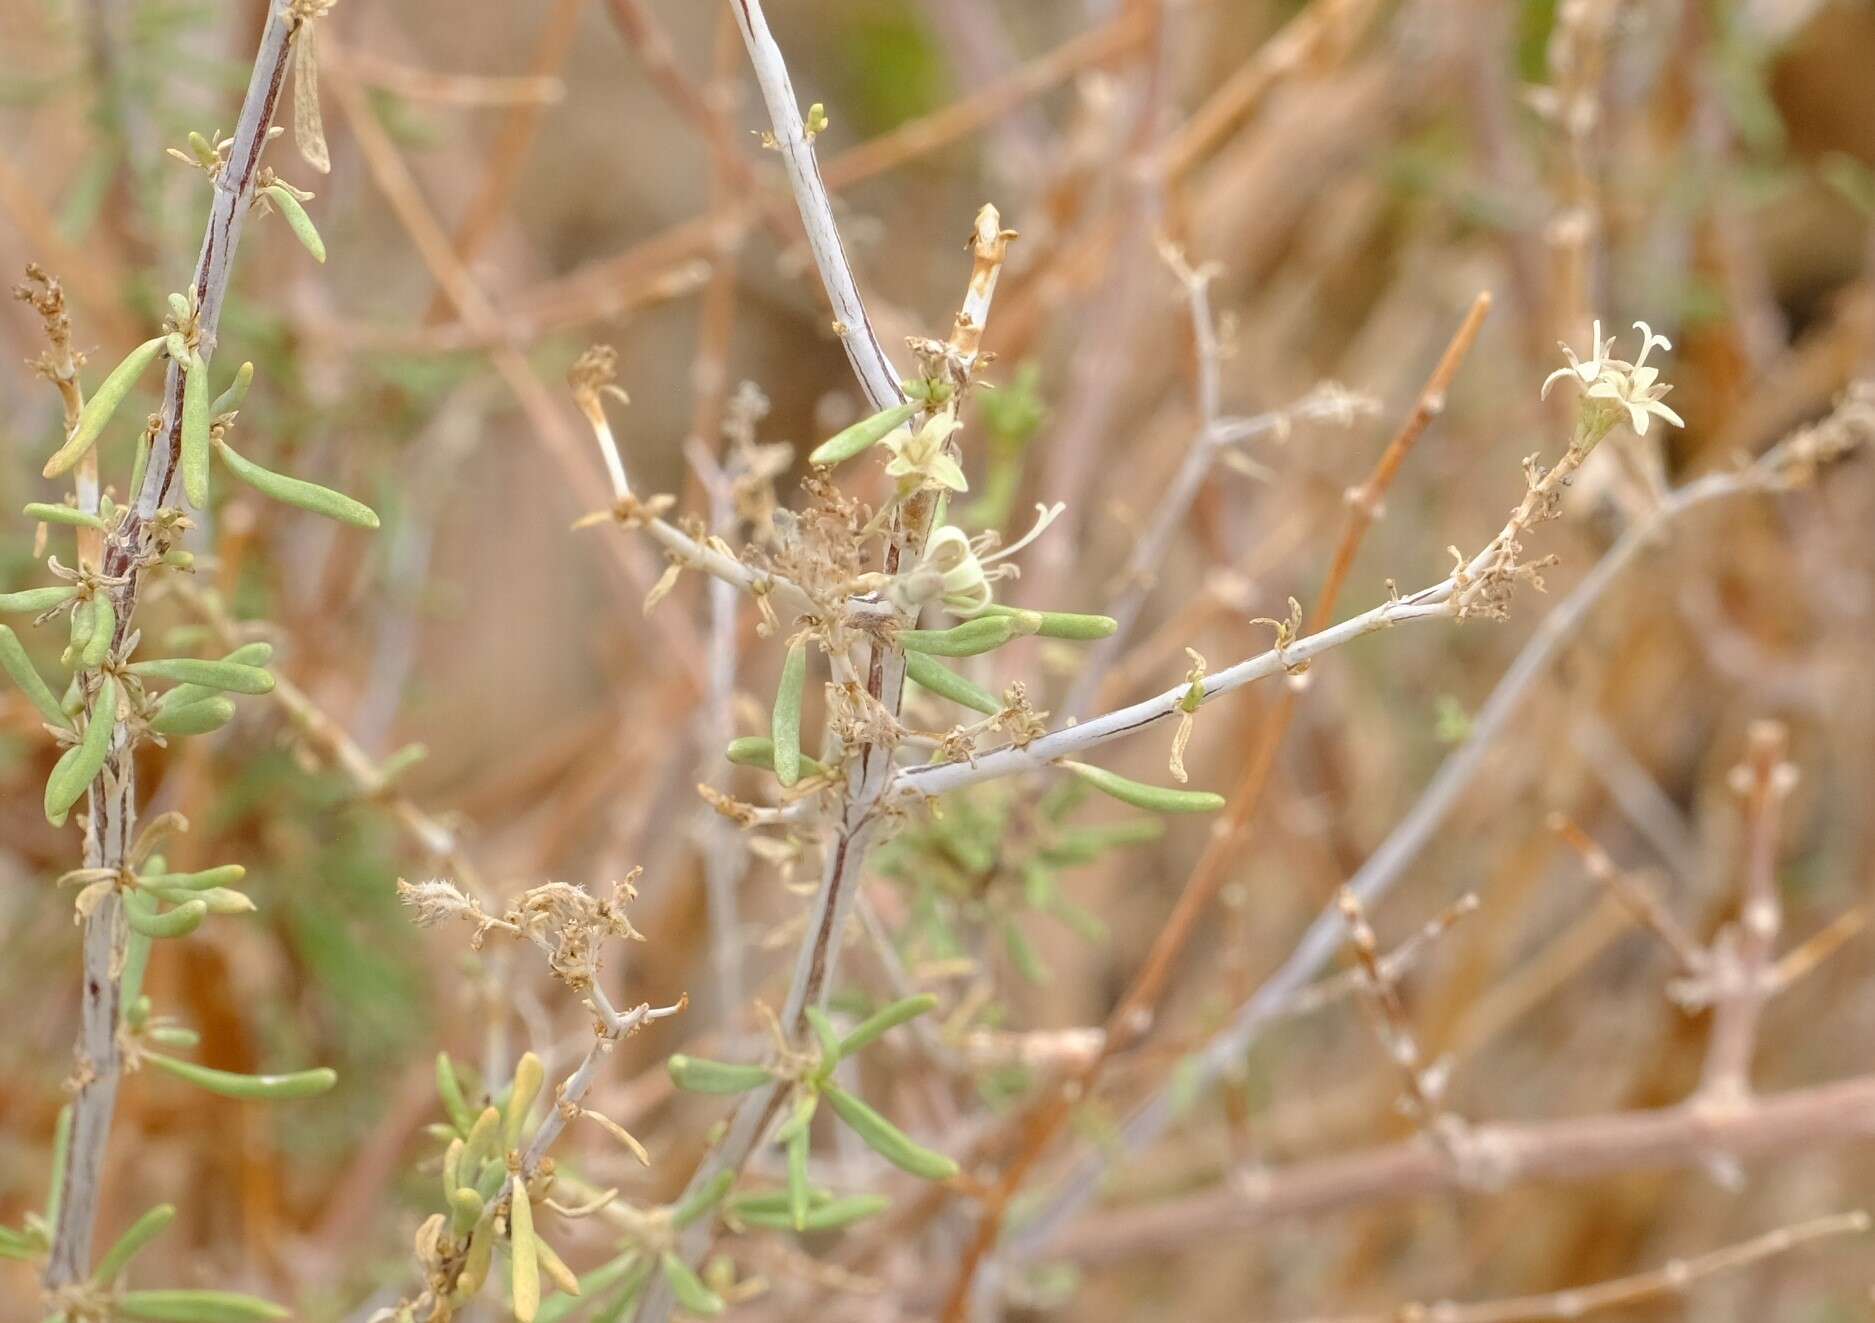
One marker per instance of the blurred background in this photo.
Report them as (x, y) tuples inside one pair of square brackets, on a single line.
[(511, 183)]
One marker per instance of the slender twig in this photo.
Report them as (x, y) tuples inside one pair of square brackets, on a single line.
[(1744, 956), (1633, 894), (112, 798), (1673, 1278), (1852, 426), (877, 377), (1134, 1013), (1492, 1157)]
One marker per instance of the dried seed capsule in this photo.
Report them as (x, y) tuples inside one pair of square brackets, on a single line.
[(529, 1075), (196, 1307), (258, 1088), (179, 922), (1061, 624), (103, 632), (862, 435), (141, 1232), (297, 220), (700, 1075), (61, 514), (85, 759), (35, 600), (946, 683), (759, 751), (230, 676), (195, 419), (197, 718), (297, 492), (688, 1288), (983, 634), (99, 408), (17, 665), (786, 720), (524, 1248), (885, 1018), (1157, 799), (693, 1206), (230, 400), (887, 1140)]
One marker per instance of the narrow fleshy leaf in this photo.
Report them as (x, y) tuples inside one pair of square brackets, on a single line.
[(222, 875), (259, 1088), (102, 404), (31, 601), (197, 718), (797, 1147), (701, 1075), (786, 720), (884, 1019), (1060, 624), (449, 1089), (759, 751), (61, 1154), (230, 676), (694, 1206), (85, 759), (887, 1140), (20, 668), (823, 1031), (103, 631), (946, 683), (1156, 799), (46, 513), (197, 1307), (983, 634), (230, 400), (484, 1136), (298, 492), (141, 1233), (465, 1210), (862, 435), (555, 1268), (179, 922), (828, 1215), (525, 1251), (688, 1288), (297, 221), (195, 420), (529, 1075)]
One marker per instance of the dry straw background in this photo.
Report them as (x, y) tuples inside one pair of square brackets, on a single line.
[(1342, 178)]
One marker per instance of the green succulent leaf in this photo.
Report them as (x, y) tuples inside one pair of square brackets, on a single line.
[(296, 491), (253, 1088), (1156, 799), (103, 403)]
